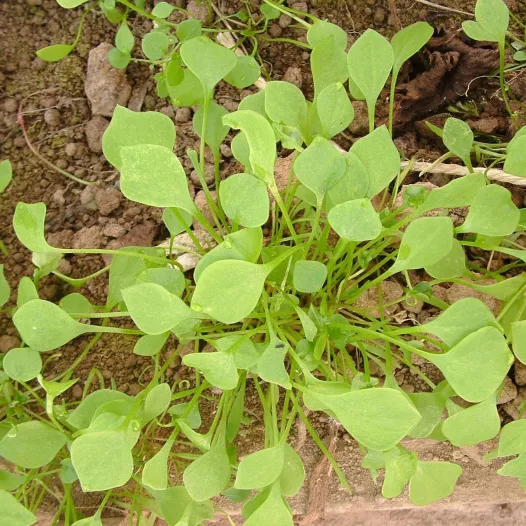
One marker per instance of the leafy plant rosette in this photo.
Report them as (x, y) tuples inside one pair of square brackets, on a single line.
[(272, 306)]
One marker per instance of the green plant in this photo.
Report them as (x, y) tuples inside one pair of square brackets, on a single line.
[(280, 312)]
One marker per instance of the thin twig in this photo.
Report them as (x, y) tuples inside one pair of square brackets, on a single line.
[(444, 8)]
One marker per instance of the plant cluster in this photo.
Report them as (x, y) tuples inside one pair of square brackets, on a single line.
[(272, 305)]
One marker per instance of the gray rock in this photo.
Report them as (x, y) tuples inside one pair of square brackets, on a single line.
[(8, 342), (52, 117), (105, 86), (87, 198), (89, 238), (294, 76), (114, 230), (94, 131), (108, 200), (360, 124), (198, 11), (183, 115)]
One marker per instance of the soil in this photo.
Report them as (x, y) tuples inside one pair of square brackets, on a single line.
[(57, 117)]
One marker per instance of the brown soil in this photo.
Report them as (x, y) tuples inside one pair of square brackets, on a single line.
[(56, 113)]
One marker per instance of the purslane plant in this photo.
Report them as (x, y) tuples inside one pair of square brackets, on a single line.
[(279, 311)]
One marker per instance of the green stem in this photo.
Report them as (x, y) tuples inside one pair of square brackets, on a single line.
[(392, 93), (80, 282), (502, 52)]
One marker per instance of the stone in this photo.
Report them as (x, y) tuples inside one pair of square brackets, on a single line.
[(275, 30), (519, 373), (198, 11), (201, 203), (71, 149), (105, 86), (360, 124), (225, 150), (94, 131), (114, 230), (391, 291), (509, 392), (294, 76), (52, 117), (108, 200), (183, 115), (87, 198), (11, 105), (89, 237), (209, 175), (58, 197), (8, 342), (284, 21)]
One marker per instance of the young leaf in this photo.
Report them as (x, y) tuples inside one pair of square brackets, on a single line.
[(157, 402), (150, 345), (514, 468), (171, 279), (380, 158), (486, 352), (95, 520), (433, 481), (153, 175), (31, 444), (188, 29), (172, 222), (309, 276), (176, 506), (399, 468), (28, 223), (293, 474), (44, 326), (235, 416), (370, 61), (70, 4), (22, 364), (285, 104), (208, 61), (163, 10), (245, 200), (431, 406), (245, 73), (355, 220), (118, 59), (334, 110), (155, 471), (155, 45), (55, 53), (464, 317), (102, 460), (260, 469), (452, 265), (492, 21), (309, 327), (6, 174), (245, 352), (512, 439), (515, 158), (518, 338), (10, 481), (188, 92), (209, 475), (229, 290), (124, 40), (13, 513), (328, 64), (492, 213), (271, 367), (408, 42), (216, 131), (153, 309), (5, 289), (321, 30), (458, 139), (319, 167), (219, 368), (130, 128)]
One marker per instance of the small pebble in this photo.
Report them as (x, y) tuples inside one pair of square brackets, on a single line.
[(52, 117), (58, 197), (275, 31), (19, 142), (183, 115), (10, 105), (71, 149), (225, 150)]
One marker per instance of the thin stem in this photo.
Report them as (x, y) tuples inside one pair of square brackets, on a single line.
[(394, 78), (502, 53)]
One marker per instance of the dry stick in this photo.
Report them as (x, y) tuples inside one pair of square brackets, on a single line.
[(444, 8)]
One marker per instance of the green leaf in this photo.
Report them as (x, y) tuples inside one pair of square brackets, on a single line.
[(399, 468), (334, 110), (188, 29), (162, 10), (176, 506), (456, 194), (209, 475), (208, 61), (157, 402), (13, 513), (473, 425), (261, 141), (452, 265), (219, 368), (293, 474), (174, 73), (425, 242), (271, 366), (124, 40), (153, 309), (216, 131), (260, 469), (492, 213), (6, 174), (285, 104), (408, 42), (516, 158), (155, 471), (28, 222), (155, 45), (102, 460), (95, 520), (321, 30), (370, 61), (518, 338), (355, 220), (10, 481), (309, 276), (31, 444), (172, 222), (494, 18), (272, 512), (188, 92), (380, 158), (22, 364), (464, 317), (512, 439), (319, 167), (431, 406), (244, 350), (75, 303), (55, 53), (514, 468), (70, 4), (5, 289), (353, 184), (229, 290), (244, 198), (130, 128), (235, 416), (503, 290), (378, 418), (433, 481), (44, 326), (309, 327), (328, 64), (153, 175), (245, 73), (172, 279), (118, 59), (484, 351), (475, 31), (150, 345), (458, 139), (244, 245)]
